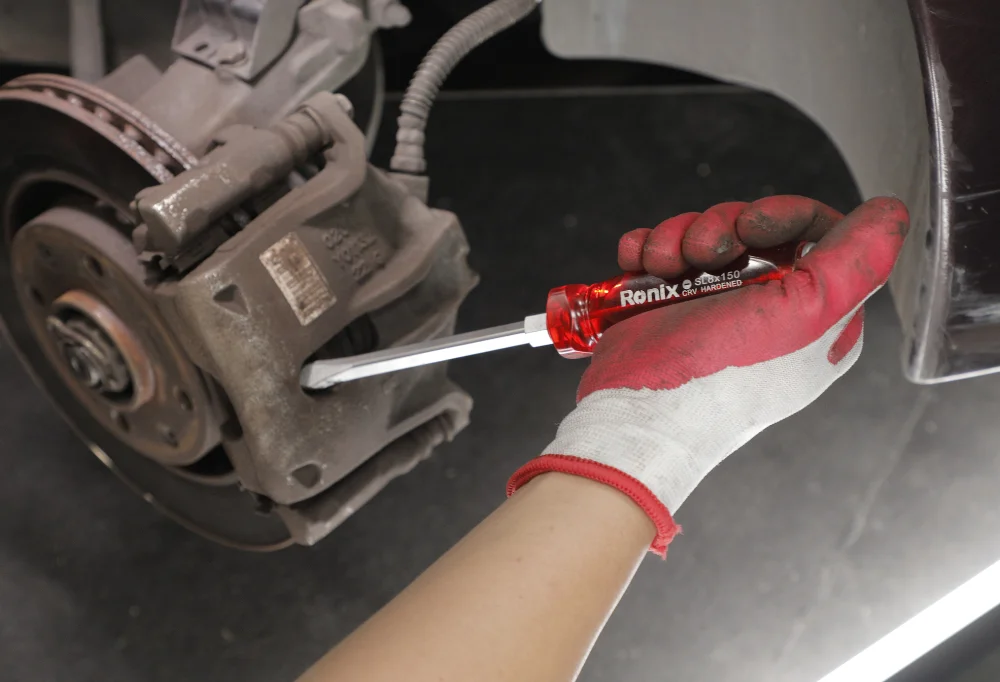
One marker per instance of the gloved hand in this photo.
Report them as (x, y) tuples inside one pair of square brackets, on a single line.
[(672, 392)]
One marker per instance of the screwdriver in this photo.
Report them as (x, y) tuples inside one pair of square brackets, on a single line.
[(575, 317)]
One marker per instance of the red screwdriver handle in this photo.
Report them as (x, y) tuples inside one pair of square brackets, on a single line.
[(577, 314)]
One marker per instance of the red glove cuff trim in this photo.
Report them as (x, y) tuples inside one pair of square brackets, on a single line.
[(666, 528)]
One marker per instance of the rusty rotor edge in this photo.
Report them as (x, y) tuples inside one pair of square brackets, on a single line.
[(126, 127), (180, 520)]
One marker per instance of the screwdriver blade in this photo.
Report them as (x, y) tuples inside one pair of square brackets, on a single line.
[(325, 373)]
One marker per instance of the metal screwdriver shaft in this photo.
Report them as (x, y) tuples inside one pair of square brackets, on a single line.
[(325, 373), (575, 317)]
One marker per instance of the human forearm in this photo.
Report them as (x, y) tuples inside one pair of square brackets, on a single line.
[(522, 597), (668, 396)]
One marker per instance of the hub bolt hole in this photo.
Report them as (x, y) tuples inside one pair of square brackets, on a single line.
[(36, 296), (93, 266), (183, 399), (167, 434)]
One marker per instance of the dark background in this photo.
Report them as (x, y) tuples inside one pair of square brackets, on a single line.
[(514, 59)]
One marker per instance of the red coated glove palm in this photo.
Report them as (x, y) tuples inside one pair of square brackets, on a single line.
[(672, 392)]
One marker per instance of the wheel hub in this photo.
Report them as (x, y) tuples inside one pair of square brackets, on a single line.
[(79, 280), (100, 351)]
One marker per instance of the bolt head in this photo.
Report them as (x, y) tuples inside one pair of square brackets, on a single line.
[(231, 53)]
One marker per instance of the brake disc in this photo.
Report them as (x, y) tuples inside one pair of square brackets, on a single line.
[(76, 308)]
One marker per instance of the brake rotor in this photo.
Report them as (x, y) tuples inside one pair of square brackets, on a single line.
[(78, 279), (76, 307)]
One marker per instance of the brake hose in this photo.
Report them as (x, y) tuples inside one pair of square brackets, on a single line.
[(447, 52)]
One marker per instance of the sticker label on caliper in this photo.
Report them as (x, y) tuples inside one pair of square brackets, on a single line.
[(300, 281)]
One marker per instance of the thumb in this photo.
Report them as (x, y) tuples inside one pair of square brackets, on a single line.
[(856, 256)]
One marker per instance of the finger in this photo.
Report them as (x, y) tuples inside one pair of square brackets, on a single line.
[(848, 338), (630, 249), (711, 241), (855, 258), (777, 220), (661, 255)]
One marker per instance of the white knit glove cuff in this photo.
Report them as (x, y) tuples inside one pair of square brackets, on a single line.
[(669, 440)]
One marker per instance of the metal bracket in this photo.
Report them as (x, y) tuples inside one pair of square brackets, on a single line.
[(242, 36), (388, 13)]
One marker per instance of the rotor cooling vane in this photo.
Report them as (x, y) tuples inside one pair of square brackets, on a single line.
[(76, 303)]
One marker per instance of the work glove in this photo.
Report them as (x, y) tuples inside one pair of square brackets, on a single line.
[(672, 392)]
